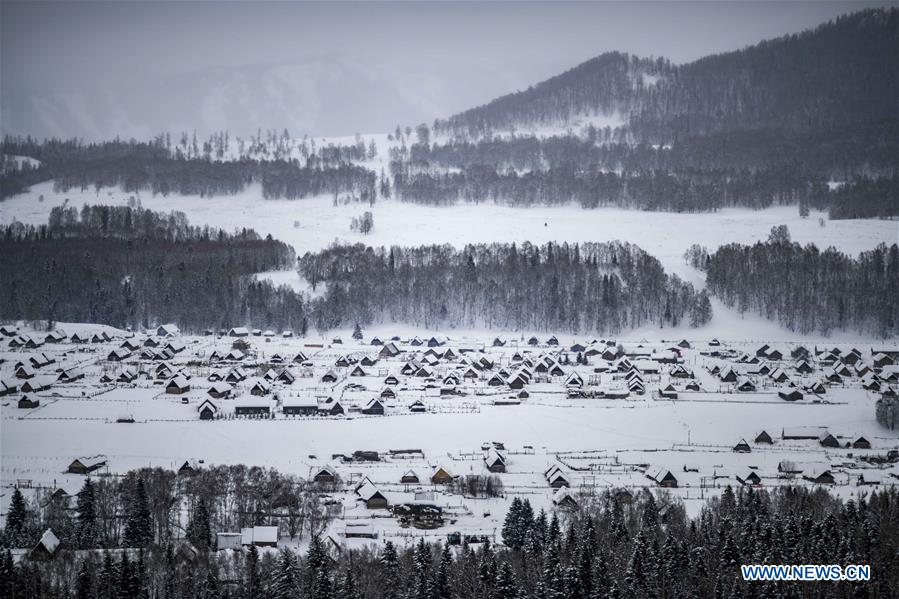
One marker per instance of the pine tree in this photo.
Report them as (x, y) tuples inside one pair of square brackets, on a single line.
[(7, 574), (511, 533), (16, 529), (486, 570), (84, 584), (286, 576), (389, 571), (441, 581), (108, 576), (198, 529), (357, 332), (127, 586), (323, 585), (552, 581), (140, 574), (346, 589), (252, 582), (138, 526), (650, 517), (505, 583), (421, 562)]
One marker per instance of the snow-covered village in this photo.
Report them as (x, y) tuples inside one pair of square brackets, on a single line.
[(594, 304)]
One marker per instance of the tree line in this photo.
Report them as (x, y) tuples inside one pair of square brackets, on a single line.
[(601, 287), (130, 267), (158, 168), (823, 99), (807, 289), (611, 545)]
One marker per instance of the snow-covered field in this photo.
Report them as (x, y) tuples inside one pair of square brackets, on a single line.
[(598, 442), (663, 234)]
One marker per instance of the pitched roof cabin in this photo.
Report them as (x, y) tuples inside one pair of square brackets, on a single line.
[(764, 437), (86, 465), (409, 478), (563, 499), (325, 475), (207, 410), (25, 403), (861, 443), (749, 478), (790, 394), (371, 496), (826, 439), (374, 408), (177, 386), (495, 461), (662, 477), (441, 476), (46, 547), (742, 447)]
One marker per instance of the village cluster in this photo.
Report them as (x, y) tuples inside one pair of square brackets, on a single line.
[(269, 385)]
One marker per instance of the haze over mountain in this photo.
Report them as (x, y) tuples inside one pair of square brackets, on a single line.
[(138, 69)]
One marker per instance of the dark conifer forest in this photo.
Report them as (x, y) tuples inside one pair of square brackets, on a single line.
[(807, 289), (647, 548), (126, 266), (601, 287)]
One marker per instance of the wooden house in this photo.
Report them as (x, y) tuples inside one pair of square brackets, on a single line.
[(374, 408), (371, 496), (441, 476), (409, 478), (662, 477), (86, 465), (742, 447), (299, 406), (749, 478), (207, 410), (252, 406), (26, 404), (178, 385), (790, 394), (46, 547), (764, 437), (495, 461), (325, 475), (219, 390)]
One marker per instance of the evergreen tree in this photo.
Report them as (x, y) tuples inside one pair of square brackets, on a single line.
[(138, 526), (127, 585), (286, 576), (357, 332), (346, 589), (252, 581), (108, 578), (323, 585), (505, 583), (441, 581), (17, 517), (511, 531), (421, 571), (198, 529), (84, 584), (389, 571)]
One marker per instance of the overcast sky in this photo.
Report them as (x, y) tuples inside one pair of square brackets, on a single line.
[(98, 69)]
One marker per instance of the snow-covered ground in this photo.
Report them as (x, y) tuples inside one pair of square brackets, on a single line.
[(599, 443), (665, 235)]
